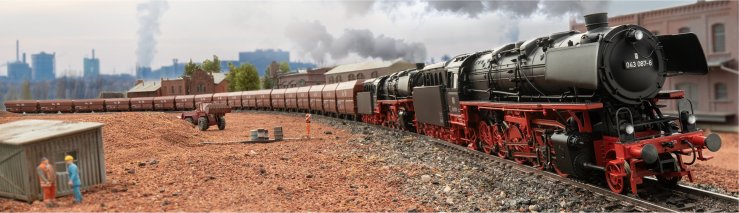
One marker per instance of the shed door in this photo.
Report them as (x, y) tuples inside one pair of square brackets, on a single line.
[(12, 176), (62, 177)]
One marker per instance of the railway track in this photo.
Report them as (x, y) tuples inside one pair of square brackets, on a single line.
[(651, 199)]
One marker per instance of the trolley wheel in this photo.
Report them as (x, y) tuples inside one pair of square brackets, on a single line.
[(617, 176), (221, 123), (203, 123), (190, 121)]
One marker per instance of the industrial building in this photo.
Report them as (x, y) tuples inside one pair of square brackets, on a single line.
[(261, 59), (44, 66), (19, 70), (91, 66)]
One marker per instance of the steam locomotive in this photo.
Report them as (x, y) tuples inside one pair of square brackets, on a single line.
[(581, 104), (577, 103)]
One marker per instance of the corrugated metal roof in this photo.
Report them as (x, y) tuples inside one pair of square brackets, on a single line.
[(148, 86), (218, 77), (29, 131), (361, 66)]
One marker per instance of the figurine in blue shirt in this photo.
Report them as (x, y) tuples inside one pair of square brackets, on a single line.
[(74, 178)]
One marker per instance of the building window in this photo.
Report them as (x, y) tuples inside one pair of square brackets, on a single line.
[(171, 89), (719, 91), (179, 91), (301, 82), (360, 76), (684, 30), (330, 79), (718, 37), (338, 78), (691, 92), (351, 77), (373, 74)]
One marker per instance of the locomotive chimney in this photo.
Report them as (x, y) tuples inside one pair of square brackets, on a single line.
[(596, 20), (420, 65)]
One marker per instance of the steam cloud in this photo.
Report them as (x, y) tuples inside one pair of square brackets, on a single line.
[(149, 14), (475, 8), (313, 38)]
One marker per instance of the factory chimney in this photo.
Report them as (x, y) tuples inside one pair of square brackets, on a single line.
[(24, 58), (17, 50), (93, 53)]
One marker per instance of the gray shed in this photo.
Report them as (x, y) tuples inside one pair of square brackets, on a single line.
[(23, 144)]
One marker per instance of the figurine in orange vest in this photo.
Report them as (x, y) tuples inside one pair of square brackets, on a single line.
[(307, 124), (47, 180)]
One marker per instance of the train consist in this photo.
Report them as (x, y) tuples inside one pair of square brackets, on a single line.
[(581, 104)]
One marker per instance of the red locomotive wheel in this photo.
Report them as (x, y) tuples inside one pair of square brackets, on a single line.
[(486, 137), (617, 177)]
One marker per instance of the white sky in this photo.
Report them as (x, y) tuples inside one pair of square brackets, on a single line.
[(199, 29)]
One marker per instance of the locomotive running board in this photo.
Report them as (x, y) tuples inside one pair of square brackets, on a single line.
[(532, 106)]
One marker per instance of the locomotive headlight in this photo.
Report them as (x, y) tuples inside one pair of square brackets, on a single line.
[(629, 129), (691, 119), (635, 35)]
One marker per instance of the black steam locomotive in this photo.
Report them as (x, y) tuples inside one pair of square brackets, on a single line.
[(578, 103)]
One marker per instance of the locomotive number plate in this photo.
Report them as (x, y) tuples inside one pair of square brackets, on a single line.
[(633, 64)]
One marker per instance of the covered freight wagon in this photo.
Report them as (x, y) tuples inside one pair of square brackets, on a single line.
[(117, 104), (234, 100), (316, 101), (220, 98), (56, 106), (22, 106), (142, 104), (184, 102), (89, 105), (329, 99), (304, 98), (249, 99), (346, 96), (203, 98), (263, 98), (164, 103), (23, 144), (291, 98), (278, 98)]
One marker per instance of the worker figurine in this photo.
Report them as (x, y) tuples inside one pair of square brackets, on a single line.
[(74, 178), (47, 180), (307, 124)]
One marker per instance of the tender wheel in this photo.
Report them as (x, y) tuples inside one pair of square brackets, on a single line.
[(617, 176), (221, 123), (203, 123), (189, 121)]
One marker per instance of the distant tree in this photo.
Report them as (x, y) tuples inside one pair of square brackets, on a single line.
[(242, 78), (266, 82), (190, 68), (61, 88), (284, 67), (26, 90), (212, 66)]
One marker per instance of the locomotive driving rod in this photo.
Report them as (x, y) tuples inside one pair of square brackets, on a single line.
[(593, 167)]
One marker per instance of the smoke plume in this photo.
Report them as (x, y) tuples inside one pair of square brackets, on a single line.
[(314, 39), (515, 8), (149, 15)]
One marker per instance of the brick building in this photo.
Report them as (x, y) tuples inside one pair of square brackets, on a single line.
[(365, 70), (716, 24), (301, 78), (200, 82)]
